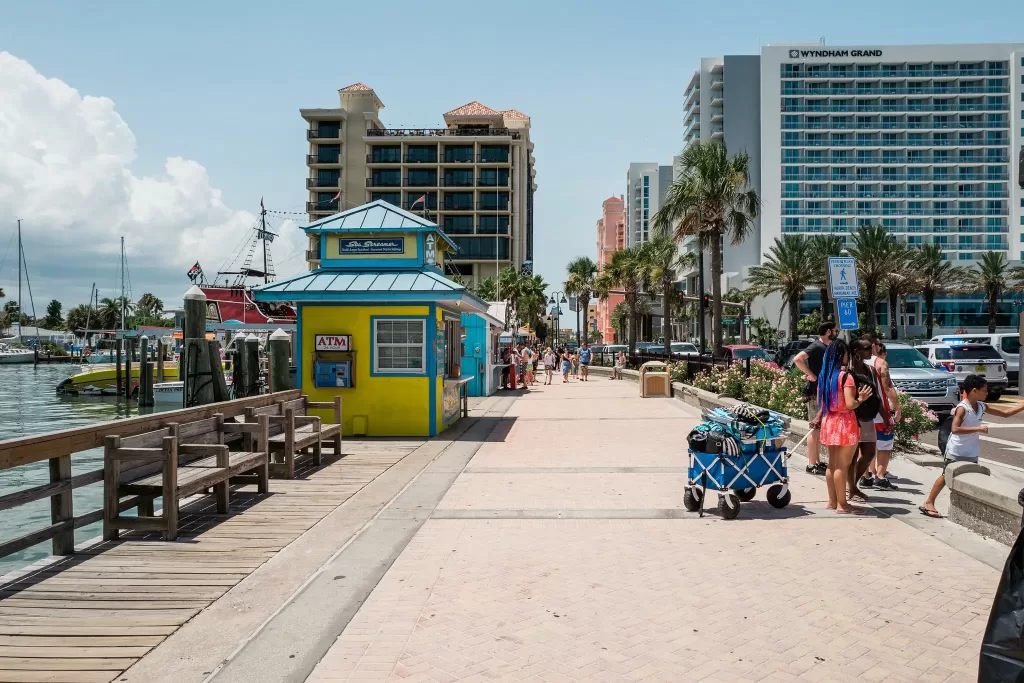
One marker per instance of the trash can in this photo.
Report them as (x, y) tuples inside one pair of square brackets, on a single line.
[(655, 379)]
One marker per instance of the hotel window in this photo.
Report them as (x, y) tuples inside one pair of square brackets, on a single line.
[(399, 347), (458, 225), (389, 197), (392, 178), (328, 154), (458, 153), (422, 178), (498, 177), (327, 177), (491, 225)]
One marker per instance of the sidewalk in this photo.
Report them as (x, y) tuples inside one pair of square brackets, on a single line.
[(562, 552)]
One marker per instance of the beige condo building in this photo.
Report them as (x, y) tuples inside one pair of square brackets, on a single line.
[(475, 177)]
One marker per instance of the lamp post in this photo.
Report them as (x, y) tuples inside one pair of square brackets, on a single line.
[(556, 300)]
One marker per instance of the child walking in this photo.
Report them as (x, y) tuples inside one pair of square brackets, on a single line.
[(964, 443), (549, 365), (566, 366)]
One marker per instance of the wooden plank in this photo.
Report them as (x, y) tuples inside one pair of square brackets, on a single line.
[(58, 676), (71, 652), (81, 641), (62, 505), (24, 450), (29, 540), (77, 664), (58, 629), (13, 500), (75, 604)]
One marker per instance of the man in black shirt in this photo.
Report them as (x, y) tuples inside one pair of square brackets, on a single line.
[(809, 362)]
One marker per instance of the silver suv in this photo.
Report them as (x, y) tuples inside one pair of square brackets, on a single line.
[(913, 374)]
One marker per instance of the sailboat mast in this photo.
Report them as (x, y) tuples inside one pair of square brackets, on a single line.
[(19, 271), (122, 283), (263, 234)]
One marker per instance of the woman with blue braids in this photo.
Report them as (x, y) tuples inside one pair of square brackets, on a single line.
[(838, 397)]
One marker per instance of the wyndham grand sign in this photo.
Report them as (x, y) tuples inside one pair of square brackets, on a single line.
[(804, 54)]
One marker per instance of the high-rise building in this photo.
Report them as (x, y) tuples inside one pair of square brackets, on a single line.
[(722, 102), (923, 140), (475, 177), (646, 185), (611, 236)]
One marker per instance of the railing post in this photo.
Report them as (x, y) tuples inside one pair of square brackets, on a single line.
[(746, 366), (62, 505)]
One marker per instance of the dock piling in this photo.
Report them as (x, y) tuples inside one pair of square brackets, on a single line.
[(279, 351), (252, 360), (195, 365), (128, 350), (161, 350), (145, 374), (117, 361)]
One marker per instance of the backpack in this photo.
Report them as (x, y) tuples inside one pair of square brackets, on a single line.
[(867, 410)]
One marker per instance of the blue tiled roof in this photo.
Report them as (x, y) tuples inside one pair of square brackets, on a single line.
[(377, 216)]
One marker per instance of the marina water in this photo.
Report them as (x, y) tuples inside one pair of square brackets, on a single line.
[(29, 405)]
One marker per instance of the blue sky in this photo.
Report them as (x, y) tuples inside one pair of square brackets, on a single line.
[(220, 83)]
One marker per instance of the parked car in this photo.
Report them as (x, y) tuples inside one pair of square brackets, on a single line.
[(1006, 343), (784, 356), (741, 352), (913, 374), (684, 350), (969, 359)]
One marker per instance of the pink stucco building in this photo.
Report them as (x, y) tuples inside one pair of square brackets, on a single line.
[(611, 236)]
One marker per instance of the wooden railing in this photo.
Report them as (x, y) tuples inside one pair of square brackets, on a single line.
[(58, 447)]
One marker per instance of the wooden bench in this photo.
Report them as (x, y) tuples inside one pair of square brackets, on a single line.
[(295, 433), (179, 461)]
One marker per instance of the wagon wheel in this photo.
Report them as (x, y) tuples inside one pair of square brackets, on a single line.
[(746, 495), (729, 506)]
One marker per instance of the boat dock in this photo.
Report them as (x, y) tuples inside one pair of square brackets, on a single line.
[(90, 613)]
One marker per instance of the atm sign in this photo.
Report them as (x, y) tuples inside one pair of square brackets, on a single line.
[(333, 342)]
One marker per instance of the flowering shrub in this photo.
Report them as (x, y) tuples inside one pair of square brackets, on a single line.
[(767, 387), (677, 370), (916, 419)]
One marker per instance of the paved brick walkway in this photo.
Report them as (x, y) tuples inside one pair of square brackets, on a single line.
[(562, 553)]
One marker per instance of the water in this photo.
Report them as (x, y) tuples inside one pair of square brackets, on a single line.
[(29, 405)]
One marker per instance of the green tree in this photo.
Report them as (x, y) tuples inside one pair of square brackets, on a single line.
[(710, 200), (666, 263), (808, 324), (53, 320), (787, 269), (487, 289), (993, 277), (149, 306), (900, 282), (824, 247), (935, 275), (582, 272), (876, 252), (79, 317), (626, 271)]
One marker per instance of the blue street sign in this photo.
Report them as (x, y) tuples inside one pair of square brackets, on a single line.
[(847, 314), (842, 277)]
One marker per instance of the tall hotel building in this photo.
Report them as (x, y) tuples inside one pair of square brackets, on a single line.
[(646, 185), (476, 176), (923, 140)]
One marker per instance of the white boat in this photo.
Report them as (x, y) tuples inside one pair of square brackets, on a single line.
[(166, 393), (9, 355)]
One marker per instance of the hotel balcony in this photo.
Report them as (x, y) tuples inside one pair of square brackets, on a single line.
[(320, 134), (383, 159), (317, 160), (316, 183), (377, 133), (322, 207), (312, 254), (717, 133)]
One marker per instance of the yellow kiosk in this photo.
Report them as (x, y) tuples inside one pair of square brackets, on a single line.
[(378, 323)]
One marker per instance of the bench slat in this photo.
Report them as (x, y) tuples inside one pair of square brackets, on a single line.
[(189, 477)]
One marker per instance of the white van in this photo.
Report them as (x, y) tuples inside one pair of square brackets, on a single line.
[(1006, 343)]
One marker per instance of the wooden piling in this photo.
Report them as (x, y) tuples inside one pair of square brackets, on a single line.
[(117, 361), (252, 359), (161, 351), (145, 374), (195, 366), (220, 385), (128, 350), (241, 368), (278, 351)]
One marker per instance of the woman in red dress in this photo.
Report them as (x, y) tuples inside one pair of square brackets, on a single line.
[(840, 432)]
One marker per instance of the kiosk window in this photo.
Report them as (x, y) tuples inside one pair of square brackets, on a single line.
[(398, 346), (453, 347)]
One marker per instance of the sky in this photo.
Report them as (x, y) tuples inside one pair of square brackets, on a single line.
[(166, 123)]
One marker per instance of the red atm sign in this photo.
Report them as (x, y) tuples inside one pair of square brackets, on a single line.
[(333, 342)]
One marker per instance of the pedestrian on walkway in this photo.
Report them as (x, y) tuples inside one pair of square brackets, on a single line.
[(964, 443), (838, 397), (549, 365), (585, 355), (809, 363), (885, 422), (863, 376), (506, 370), (620, 365), (575, 356), (519, 358), (566, 366), (527, 359)]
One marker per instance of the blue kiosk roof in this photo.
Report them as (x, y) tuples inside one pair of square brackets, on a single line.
[(377, 216)]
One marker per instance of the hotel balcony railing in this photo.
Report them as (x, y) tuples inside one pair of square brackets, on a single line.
[(893, 177), (797, 109), (315, 182), (875, 211), (893, 195), (458, 206), (484, 206), (875, 142), (889, 125), (451, 182), (431, 204), (383, 182), (420, 160), (312, 254), (902, 73), (383, 159), (419, 182), (317, 207), (441, 132), (870, 92), (318, 159), (322, 134)]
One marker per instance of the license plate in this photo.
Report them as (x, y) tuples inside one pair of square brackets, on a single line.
[(980, 368)]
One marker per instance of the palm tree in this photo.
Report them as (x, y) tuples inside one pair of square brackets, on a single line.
[(899, 283), (824, 247), (934, 275), (710, 200), (625, 272), (993, 277), (788, 269), (149, 305), (580, 283), (666, 262), (875, 249), (487, 289)]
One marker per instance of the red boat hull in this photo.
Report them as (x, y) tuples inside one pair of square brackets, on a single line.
[(235, 303)]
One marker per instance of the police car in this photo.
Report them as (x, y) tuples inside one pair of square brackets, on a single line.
[(963, 358)]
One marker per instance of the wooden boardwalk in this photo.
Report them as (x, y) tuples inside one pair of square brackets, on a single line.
[(87, 618)]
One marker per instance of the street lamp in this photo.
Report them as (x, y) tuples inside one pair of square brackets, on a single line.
[(556, 300)]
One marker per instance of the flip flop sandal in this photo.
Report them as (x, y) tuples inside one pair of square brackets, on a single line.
[(858, 499), (851, 511), (929, 513)]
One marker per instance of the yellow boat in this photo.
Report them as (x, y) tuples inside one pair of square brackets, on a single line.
[(101, 380)]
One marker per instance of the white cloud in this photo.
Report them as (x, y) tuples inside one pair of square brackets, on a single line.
[(65, 169)]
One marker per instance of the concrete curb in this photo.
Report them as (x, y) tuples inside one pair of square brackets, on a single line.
[(982, 503)]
